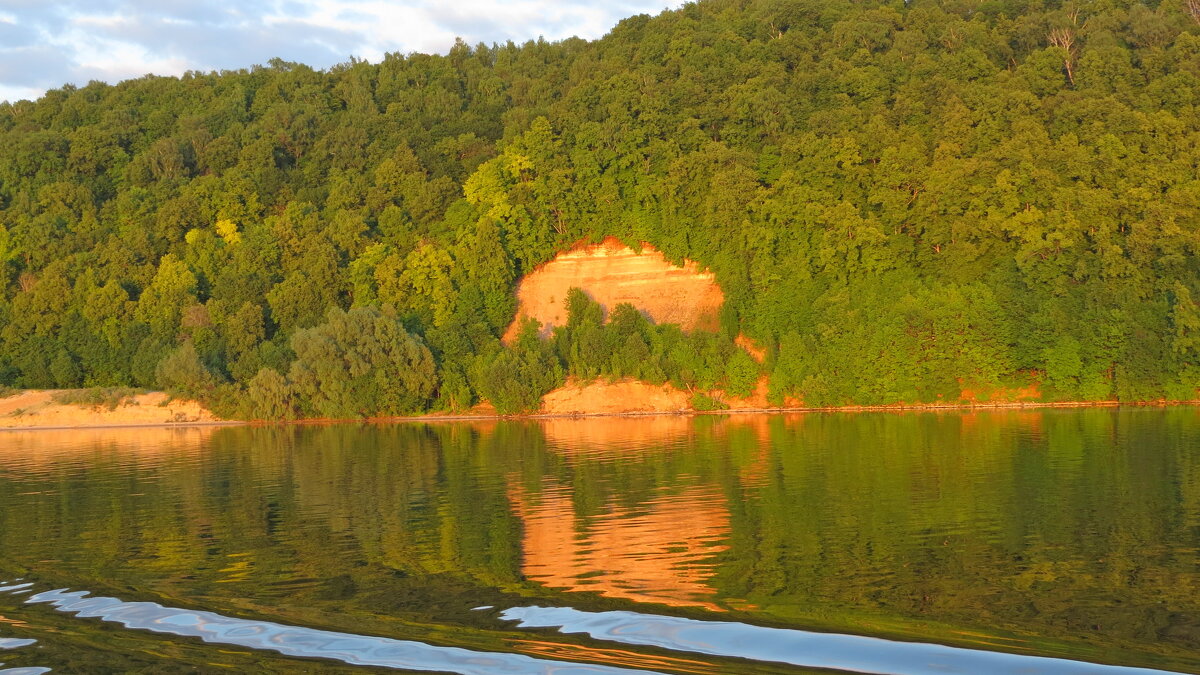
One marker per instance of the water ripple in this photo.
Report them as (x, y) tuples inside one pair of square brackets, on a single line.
[(17, 643), (800, 648), (308, 642)]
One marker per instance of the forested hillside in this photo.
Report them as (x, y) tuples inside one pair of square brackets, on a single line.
[(898, 199)]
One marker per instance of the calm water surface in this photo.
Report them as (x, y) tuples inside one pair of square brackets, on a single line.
[(1056, 541)]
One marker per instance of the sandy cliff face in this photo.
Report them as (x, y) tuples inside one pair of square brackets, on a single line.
[(611, 273), (632, 396), (625, 396)]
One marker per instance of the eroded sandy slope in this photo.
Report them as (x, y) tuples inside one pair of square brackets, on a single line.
[(611, 273), (37, 408)]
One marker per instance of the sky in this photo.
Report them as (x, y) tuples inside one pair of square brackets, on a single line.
[(45, 44)]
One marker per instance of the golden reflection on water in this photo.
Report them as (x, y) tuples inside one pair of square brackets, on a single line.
[(616, 436), (660, 551), (52, 447), (1068, 525), (614, 657)]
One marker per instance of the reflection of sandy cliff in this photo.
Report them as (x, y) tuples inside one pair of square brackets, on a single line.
[(46, 447), (621, 438), (656, 552), (619, 435), (622, 435)]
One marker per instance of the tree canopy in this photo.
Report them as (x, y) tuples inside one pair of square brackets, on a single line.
[(898, 198)]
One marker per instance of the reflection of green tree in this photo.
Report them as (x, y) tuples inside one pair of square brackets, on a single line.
[(1062, 525), (1063, 528)]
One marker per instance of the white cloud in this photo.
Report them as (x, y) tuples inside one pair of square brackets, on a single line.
[(75, 41), (17, 93)]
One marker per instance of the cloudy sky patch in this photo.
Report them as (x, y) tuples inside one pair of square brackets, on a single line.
[(44, 45)]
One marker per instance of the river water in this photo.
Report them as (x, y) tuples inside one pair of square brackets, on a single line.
[(1025, 541)]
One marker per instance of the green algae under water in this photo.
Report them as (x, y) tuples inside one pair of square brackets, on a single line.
[(1024, 541)]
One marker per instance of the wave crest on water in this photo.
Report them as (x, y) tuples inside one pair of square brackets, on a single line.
[(17, 643), (796, 647), (304, 642)]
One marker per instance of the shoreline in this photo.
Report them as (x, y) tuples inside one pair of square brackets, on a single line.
[(1018, 405), (147, 425), (466, 417)]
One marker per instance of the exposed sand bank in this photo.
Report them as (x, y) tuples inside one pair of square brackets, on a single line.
[(37, 409), (626, 396), (631, 396)]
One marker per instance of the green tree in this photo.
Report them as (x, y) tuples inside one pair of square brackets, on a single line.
[(361, 363), (741, 374), (181, 373)]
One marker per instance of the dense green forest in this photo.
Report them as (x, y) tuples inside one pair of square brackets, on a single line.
[(898, 199)]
